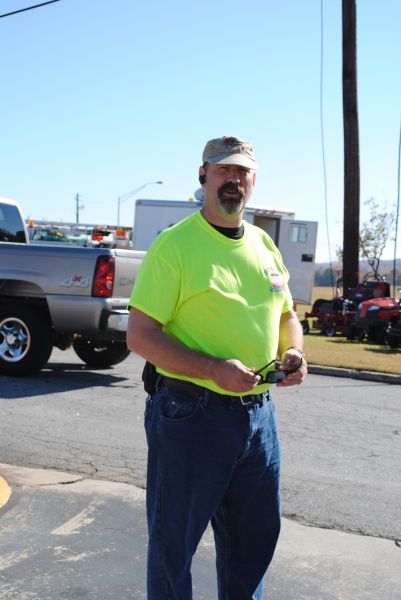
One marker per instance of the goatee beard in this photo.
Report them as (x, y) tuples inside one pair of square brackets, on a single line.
[(231, 204)]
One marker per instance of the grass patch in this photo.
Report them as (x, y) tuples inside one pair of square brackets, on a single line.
[(339, 352)]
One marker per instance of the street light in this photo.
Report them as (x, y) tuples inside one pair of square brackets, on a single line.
[(125, 197)]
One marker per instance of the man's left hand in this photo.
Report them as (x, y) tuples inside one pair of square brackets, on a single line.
[(295, 362)]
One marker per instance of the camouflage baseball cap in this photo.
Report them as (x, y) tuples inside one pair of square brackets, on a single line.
[(230, 151)]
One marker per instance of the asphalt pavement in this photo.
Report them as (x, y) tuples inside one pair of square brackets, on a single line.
[(66, 536)]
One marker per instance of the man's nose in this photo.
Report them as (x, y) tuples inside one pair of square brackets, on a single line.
[(233, 175)]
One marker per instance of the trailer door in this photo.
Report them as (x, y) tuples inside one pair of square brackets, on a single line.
[(153, 216), (297, 244)]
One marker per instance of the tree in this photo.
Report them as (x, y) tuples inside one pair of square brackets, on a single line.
[(375, 234), (325, 278)]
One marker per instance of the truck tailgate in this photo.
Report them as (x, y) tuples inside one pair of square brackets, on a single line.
[(126, 265)]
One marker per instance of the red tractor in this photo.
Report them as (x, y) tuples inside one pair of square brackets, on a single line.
[(375, 319), (337, 315)]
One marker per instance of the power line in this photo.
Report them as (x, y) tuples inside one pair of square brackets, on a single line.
[(322, 139), (28, 8), (398, 212)]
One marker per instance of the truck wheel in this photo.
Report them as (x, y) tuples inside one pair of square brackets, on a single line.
[(330, 331), (101, 354), (25, 340)]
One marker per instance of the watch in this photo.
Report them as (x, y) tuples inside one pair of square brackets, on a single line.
[(297, 349)]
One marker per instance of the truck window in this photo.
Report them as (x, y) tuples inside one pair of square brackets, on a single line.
[(298, 233), (11, 228)]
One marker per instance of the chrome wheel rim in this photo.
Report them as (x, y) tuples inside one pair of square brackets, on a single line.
[(15, 340)]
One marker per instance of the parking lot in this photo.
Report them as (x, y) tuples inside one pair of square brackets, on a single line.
[(75, 525), (341, 438)]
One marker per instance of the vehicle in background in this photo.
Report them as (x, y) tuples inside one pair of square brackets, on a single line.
[(12, 226), (376, 317), (102, 238), (123, 237), (295, 238), (337, 316), (60, 295), (60, 235), (89, 235)]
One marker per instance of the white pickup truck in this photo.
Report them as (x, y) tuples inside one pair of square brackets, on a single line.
[(60, 296)]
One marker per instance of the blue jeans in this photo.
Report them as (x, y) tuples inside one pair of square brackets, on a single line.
[(212, 460)]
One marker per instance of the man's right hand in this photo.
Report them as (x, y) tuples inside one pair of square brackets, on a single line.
[(233, 376)]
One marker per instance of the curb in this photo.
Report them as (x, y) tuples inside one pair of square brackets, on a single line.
[(5, 492), (355, 374)]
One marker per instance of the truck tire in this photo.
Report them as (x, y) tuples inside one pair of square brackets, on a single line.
[(100, 354), (25, 340)]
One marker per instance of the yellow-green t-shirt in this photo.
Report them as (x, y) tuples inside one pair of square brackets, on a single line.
[(221, 296)]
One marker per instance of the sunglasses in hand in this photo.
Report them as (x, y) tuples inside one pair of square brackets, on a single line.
[(277, 374)]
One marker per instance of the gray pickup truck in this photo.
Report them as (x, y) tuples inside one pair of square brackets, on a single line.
[(60, 296)]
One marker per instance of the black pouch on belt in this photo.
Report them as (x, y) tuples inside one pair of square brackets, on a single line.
[(149, 378)]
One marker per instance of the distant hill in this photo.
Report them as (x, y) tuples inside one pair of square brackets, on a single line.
[(385, 265), (323, 275)]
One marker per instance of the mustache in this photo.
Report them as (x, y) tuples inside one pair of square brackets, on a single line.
[(230, 186)]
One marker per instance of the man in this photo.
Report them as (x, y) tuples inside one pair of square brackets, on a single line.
[(211, 309)]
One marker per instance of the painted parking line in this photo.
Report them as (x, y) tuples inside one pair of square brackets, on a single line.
[(5, 492)]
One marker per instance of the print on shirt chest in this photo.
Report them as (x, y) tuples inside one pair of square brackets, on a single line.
[(276, 279), (227, 280)]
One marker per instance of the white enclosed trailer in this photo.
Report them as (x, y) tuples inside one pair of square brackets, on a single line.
[(295, 238)]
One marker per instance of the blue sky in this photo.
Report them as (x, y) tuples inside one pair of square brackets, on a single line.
[(100, 97)]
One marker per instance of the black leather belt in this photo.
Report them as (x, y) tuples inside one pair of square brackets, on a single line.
[(188, 386)]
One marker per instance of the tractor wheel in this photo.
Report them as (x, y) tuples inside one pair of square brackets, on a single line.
[(392, 341), (360, 336), (350, 332), (354, 333), (377, 335), (305, 326)]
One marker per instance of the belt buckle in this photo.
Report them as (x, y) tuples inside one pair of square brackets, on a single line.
[(246, 403)]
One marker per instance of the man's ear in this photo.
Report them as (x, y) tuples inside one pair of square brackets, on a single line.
[(202, 175)]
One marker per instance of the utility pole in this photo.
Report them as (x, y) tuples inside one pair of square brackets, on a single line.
[(78, 207), (351, 148)]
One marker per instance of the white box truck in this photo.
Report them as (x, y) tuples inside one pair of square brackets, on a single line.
[(295, 238)]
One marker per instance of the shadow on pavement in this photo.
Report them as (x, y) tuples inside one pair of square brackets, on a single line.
[(61, 377)]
